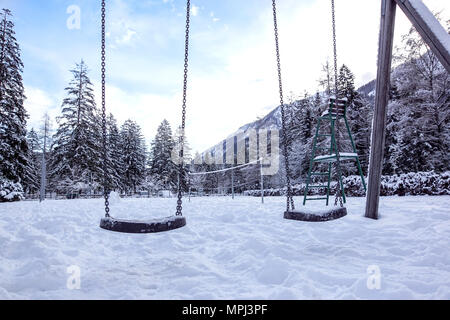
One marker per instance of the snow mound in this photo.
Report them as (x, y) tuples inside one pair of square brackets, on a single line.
[(114, 198)]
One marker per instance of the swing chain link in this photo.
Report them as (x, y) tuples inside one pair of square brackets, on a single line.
[(338, 197), (104, 133), (289, 199), (183, 118)]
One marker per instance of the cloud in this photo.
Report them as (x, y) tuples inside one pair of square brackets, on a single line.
[(127, 37), (195, 10), (38, 103), (147, 109)]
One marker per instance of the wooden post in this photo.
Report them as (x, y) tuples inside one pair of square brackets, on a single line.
[(386, 37)]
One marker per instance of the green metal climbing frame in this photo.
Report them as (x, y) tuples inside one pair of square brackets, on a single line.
[(337, 110)]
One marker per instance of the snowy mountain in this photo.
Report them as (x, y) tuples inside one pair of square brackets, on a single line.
[(270, 121), (368, 89), (273, 119)]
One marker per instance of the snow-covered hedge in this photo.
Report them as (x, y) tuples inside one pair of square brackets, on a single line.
[(421, 183), (10, 191), (414, 183)]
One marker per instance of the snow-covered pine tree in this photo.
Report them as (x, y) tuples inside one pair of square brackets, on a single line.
[(360, 119), (162, 168), (291, 134), (346, 84), (76, 160), (195, 181), (115, 155), (301, 130), (359, 116), (45, 139), (187, 155), (325, 80), (31, 181), (310, 108), (421, 108), (133, 149), (13, 117)]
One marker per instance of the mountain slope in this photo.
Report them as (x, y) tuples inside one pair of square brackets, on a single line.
[(273, 119)]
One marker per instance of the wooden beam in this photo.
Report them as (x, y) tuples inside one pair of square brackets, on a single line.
[(429, 29), (386, 39)]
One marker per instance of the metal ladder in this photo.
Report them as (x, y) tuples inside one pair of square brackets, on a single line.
[(337, 110)]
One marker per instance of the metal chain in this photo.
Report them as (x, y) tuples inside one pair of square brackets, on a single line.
[(105, 151), (289, 198), (183, 118), (336, 92)]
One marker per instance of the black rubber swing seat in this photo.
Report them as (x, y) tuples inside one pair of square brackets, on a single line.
[(151, 226), (328, 215)]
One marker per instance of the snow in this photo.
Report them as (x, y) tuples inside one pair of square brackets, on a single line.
[(147, 221), (114, 198), (432, 23), (342, 155), (316, 212), (333, 97), (239, 249)]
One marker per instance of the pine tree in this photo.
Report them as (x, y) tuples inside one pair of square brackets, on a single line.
[(346, 84), (419, 110), (45, 141), (115, 155), (196, 181), (359, 116), (31, 181), (187, 156), (76, 160), (133, 151), (325, 81), (13, 147), (300, 132), (162, 168)]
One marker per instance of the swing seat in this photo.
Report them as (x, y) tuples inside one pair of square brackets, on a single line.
[(151, 226), (309, 216)]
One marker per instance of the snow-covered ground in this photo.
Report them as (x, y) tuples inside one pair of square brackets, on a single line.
[(237, 249)]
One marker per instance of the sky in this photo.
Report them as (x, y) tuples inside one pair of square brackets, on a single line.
[(232, 69)]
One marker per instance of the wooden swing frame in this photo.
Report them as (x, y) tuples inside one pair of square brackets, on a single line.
[(424, 22)]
